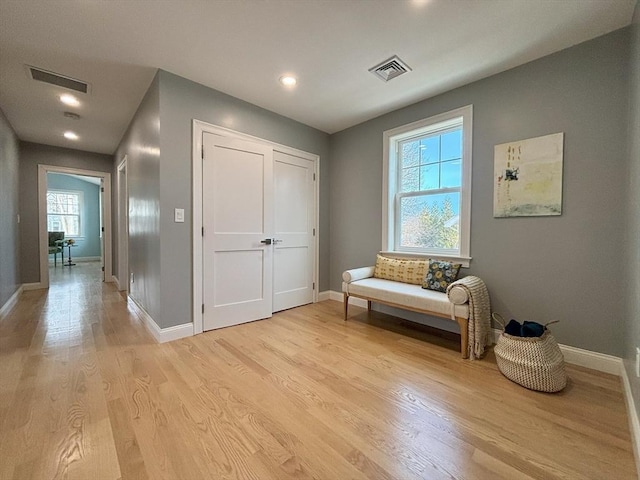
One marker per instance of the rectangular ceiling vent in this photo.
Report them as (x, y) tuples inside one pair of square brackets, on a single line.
[(57, 79), (391, 68)]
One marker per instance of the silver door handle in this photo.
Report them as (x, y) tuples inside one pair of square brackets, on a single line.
[(266, 241), (276, 241)]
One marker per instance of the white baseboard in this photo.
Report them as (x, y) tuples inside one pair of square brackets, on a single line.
[(339, 297), (78, 259), (9, 304), (322, 296), (161, 335), (585, 358), (634, 423), (114, 279), (32, 286)]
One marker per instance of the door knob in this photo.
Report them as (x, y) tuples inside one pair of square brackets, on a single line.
[(266, 241)]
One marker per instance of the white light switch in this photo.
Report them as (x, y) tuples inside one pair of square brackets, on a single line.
[(179, 215)]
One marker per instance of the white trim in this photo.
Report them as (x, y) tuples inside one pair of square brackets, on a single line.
[(632, 412), (161, 335), (584, 358), (123, 225), (34, 286), (9, 304), (199, 128), (389, 137), (43, 170), (80, 259), (323, 296), (339, 297), (114, 279)]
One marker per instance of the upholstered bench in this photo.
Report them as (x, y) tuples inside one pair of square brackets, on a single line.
[(405, 291)]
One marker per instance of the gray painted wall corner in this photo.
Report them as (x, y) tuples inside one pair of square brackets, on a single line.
[(9, 200), (182, 101), (141, 145), (632, 257)]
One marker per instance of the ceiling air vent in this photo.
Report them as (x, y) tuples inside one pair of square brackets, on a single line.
[(391, 68), (57, 79)]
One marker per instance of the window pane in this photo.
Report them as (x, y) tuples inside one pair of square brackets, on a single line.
[(451, 174), (69, 224), (410, 179), (430, 221), (429, 177), (429, 150), (452, 145), (410, 152)]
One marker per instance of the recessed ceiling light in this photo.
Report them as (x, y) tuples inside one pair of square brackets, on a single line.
[(70, 135), (288, 80), (69, 100)]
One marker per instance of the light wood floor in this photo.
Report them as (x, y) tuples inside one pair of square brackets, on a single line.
[(85, 393)]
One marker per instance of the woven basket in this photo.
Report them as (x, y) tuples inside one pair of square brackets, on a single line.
[(533, 362)]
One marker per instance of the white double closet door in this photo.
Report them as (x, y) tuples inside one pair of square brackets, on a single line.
[(258, 215)]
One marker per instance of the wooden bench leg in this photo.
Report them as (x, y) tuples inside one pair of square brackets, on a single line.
[(346, 305), (464, 336), (369, 305)]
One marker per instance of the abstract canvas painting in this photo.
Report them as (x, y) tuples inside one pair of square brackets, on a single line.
[(528, 177)]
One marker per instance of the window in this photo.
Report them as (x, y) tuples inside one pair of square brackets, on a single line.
[(427, 187), (63, 212)]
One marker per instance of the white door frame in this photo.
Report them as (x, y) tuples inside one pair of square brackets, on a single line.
[(123, 226), (43, 170), (199, 127)]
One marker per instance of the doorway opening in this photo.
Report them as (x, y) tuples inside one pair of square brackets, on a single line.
[(74, 207)]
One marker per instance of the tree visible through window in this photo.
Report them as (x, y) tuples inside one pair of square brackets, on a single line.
[(428, 185), (429, 191), (63, 212)]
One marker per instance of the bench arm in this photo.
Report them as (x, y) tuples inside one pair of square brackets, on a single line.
[(357, 274), (458, 295)]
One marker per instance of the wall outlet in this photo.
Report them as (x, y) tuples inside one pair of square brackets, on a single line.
[(133, 278), (178, 215), (637, 361)]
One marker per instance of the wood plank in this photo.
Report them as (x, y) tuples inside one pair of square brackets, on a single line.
[(85, 392)]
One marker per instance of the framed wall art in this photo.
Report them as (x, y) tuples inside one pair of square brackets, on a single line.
[(528, 177)]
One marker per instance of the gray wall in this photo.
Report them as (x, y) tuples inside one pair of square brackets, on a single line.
[(158, 148), (141, 145), (32, 155), (632, 314), (9, 228), (569, 267), (88, 243), (181, 101)]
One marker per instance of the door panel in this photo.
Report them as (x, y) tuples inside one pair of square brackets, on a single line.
[(294, 254), (237, 215)]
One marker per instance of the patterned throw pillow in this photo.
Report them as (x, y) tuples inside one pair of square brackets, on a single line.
[(404, 270), (440, 275)]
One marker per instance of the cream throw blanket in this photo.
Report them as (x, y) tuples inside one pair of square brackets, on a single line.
[(479, 314)]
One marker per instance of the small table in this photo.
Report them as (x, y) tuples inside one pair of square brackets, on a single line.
[(68, 264)]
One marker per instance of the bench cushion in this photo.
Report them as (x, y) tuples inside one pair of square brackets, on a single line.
[(412, 296)]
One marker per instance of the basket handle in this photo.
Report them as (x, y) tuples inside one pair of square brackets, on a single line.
[(499, 320), (551, 323)]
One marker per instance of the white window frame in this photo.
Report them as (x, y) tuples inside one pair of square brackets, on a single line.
[(80, 196), (390, 224)]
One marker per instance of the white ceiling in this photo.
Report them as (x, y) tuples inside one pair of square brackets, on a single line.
[(242, 47)]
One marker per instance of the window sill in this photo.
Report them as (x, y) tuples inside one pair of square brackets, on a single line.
[(464, 261)]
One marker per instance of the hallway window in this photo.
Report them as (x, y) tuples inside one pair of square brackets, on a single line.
[(63, 212), (427, 187)]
